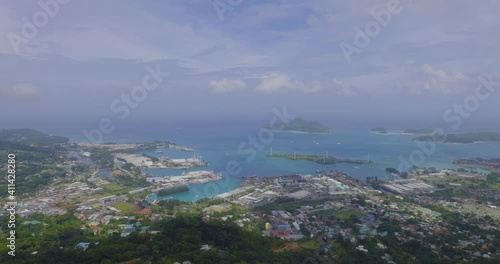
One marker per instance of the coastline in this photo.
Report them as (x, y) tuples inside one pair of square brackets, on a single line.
[(460, 143), (393, 133), (303, 132), (216, 156), (191, 178)]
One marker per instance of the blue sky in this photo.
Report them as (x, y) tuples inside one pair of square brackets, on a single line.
[(260, 55)]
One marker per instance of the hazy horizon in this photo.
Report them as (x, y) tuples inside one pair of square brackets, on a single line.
[(72, 126), (168, 131), (257, 56)]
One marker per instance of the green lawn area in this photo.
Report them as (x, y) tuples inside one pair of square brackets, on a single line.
[(310, 244), (345, 215), (112, 187), (125, 207), (106, 194)]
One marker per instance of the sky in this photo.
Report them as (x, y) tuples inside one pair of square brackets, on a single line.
[(239, 57)]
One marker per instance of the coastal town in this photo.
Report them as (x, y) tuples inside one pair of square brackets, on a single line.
[(324, 208), (249, 132), (448, 213)]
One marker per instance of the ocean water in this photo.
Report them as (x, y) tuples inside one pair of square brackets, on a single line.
[(384, 150), (217, 140)]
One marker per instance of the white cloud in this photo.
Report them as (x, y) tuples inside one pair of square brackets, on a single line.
[(227, 85), (276, 82), (279, 38), (344, 89), (26, 90), (442, 82), (20, 91)]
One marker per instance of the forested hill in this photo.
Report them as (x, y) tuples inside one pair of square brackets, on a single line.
[(177, 240), (36, 155), (30, 137)]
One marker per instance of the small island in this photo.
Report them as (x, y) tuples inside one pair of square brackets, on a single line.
[(422, 131), (300, 125), (319, 159), (466, 138), (380, 130)]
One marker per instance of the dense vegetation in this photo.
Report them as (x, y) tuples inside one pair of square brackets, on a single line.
[(166, 192), (102, 157), (30, 137), (33, 169), (179, 239)]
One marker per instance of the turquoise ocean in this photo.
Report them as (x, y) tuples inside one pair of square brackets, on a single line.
[(217, 140)]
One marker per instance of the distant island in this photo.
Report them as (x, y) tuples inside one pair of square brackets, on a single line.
[(300, 125), (319, 159), (379, 130), (418, 131), (466, 138), (382, 130)]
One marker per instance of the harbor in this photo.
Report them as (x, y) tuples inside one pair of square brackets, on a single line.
[(189, 178)]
